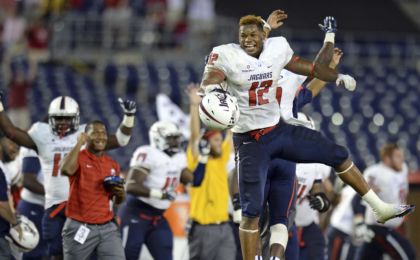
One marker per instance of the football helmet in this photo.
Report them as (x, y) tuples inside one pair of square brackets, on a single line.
[(219, 110), (165, 136), (24, 236), (62, 108)]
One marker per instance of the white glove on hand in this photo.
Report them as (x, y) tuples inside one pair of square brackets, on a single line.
[(237, 216), (348, 81), (362, 233)]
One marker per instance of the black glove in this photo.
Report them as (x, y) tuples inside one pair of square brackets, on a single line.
[(128, 106), (168, 195), (110, 182), (319, 201), (329, 25)]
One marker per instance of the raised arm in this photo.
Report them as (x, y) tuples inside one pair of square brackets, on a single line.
[(319, 68), (195, 100), (123, 134), (70, 163), (15, 134), (316, 85)]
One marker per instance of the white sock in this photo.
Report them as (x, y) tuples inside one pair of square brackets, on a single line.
[(258, 257), (274, 258), (373, 200)]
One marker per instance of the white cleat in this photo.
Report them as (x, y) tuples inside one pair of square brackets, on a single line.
[(390, 211)]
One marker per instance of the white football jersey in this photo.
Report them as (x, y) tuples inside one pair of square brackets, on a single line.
[(390, 185), (307, 174), (253, 81), (289, 83), (164, 171), (51, 150), (342, 216), (26, 194)]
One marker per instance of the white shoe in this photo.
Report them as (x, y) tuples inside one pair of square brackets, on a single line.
[(390, 211)]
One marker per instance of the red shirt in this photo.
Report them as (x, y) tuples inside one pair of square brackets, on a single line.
[(88, 200)]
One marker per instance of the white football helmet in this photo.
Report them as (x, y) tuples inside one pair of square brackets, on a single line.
[(219, 110), (62, 107), (160, 134), (308, 121), (27, 239)]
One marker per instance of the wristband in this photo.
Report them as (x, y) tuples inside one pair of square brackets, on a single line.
[(128, 121), (329, 37), (266, 25), (1, 107), (156, 193)]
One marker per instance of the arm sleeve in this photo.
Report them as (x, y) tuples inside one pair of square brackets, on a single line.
[(31, 165), (3, 187), (199, 174)]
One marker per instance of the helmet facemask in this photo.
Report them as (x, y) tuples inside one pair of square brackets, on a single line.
[(60, 127)]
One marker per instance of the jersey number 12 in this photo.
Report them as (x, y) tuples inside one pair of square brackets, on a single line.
[(257, 90)]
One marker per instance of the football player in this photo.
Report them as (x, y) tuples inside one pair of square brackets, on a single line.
[(389, 178), (155, 172), (249, 70), (52, 141), (32, 200)]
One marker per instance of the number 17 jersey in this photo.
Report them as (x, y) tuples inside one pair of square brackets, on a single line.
[(51, 150), (253, 81)]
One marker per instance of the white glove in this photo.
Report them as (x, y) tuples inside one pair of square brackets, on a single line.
[(362, 233), (237, 216), (348, 81)]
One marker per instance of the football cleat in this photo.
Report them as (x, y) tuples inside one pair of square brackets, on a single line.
[(391, 211)]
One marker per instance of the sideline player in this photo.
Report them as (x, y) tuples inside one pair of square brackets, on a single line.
[(249, 70), (389, 178), (52, 141), (32, 200), (155, 172)]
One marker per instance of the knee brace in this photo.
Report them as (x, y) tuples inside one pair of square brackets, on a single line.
[(279, 235)]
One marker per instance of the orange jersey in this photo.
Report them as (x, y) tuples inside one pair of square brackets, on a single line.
[(88, 201)]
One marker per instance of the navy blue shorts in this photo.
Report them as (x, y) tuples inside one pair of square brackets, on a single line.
[(34, 213), (293, 143), (52, 225), (142, 223), (280, 191)]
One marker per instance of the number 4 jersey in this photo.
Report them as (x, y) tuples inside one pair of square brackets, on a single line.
[(51, 150), (253, 81), (164, 171)]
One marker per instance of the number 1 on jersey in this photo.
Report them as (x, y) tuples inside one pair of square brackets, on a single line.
[(56, 166)]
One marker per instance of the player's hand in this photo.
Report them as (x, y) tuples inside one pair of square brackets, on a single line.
[(193, 93), (348, 81), (319, 202), (237, 212), (214, 87), (203, 150), (276, 18), (362, 233), (329, 25), (168, 195), (128, 106), (338, 53), (118, 190), (82, 139)]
